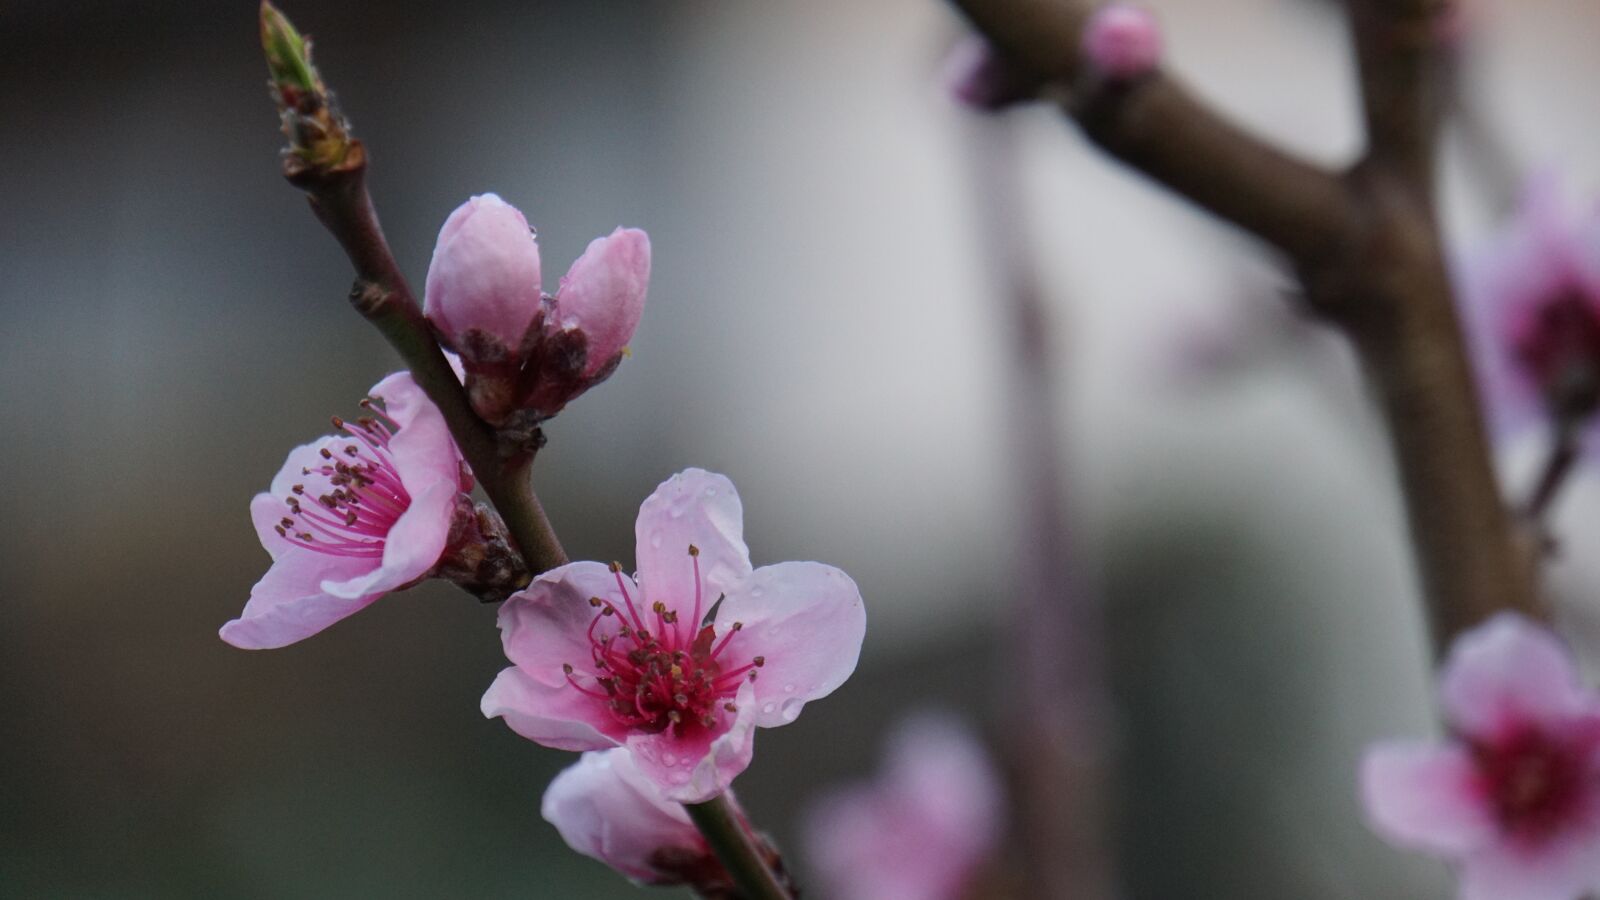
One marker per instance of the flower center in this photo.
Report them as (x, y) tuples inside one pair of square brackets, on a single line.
[(656, 670), (347, 504), (1558, 347), (1536, 782)]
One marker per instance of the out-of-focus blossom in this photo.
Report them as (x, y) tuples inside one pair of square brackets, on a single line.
[(1122, 41), (977, 75), (527, 354), (606, 809), (601, 659), (1513, 796), (353, 516), (1532, 304), (921, 830)]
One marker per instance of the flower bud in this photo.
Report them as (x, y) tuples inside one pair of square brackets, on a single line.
[(1122, 41), (483, 291), (978, 76), (602, 295)]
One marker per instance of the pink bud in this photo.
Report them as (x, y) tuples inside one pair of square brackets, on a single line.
[(603, 294), (976, 75), (484, 278), (1122, 41)]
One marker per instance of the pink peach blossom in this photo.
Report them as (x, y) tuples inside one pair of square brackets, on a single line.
[(921, 830), (606, 809), (1513, 796), (351, 517), (1122, 41), (1532, 307), (484, 278), (602, 660), (602, 295)]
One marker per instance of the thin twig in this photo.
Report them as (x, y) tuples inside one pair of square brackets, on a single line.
[(1054, 665), (1558, 465)]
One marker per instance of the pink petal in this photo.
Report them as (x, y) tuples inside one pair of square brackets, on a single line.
[(288, 603), (1426, 797), (604, 291), (692, 507), (558, 717), (1123, 41), (545, 626), (410, 549), (1506, 673), (485, 272), (607, 810), (1568, 869), (808, 621), (933, 759), (269, 509), (697, 768), (423, 449)]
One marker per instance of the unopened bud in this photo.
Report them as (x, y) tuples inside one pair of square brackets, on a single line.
[(319, 138), (978, 76), (603, 295), (483, 290), (1122, 41)]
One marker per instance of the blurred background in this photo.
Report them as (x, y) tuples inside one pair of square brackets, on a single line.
[(822, 327)]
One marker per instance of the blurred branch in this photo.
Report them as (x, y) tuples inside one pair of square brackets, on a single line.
[(330, 165), (736, 849), (1060, 771), (1365, 245)]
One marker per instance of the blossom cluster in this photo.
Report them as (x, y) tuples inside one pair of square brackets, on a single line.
[(661, 675)]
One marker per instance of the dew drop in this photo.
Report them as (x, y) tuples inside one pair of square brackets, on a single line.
[(655, 540), (711, 492), (788, 689), (791, 710), (757, 591), (680, 777), (669, 759), (676, 512), (769, 707)]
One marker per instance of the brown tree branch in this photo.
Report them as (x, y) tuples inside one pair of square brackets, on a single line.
[(1365, 245)]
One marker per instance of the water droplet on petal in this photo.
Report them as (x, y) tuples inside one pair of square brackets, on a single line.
[(655, 540), (680, 777), (669, 759), (756, 591), (791, 709), (676, 512), (769, 707), (711, 492), (788, 689)]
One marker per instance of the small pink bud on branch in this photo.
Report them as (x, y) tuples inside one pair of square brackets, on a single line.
[(1123, 42)]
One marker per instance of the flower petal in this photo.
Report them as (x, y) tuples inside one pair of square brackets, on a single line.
[(562, 718), (699, 767), (693, 507), (1565, 870), (607, 810), (807, 620), (288, 603), (1506, 673), (410, 549), (1426, 797), (545, 625), (603, 293)]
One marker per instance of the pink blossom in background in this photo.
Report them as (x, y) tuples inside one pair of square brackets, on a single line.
[(1513, 796), (351, 517), (602, 295), (606, 809), (921, 830), (1532, 307), (601, 660), (484, 277), (1123, 41)]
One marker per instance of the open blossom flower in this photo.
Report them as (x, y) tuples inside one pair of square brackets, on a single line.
[(1532, 303), (353, 516), (922, 830), (606, 809), (601, 660), (1514, 795), (524, 350)]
